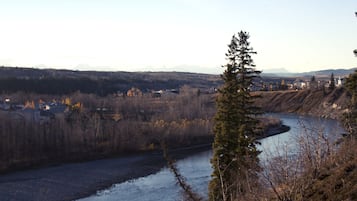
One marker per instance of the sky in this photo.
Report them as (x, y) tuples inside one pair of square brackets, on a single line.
[(176, 35)]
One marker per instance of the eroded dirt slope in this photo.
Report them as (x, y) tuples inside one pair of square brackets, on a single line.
[(329, 104)]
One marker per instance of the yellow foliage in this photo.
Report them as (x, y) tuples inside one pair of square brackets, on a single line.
[(117, 117), (67, 101), (134, 92), (159, 123), (151, 146), (78, 107), (30, 104)]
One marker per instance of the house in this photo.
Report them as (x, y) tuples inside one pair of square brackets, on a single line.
[(299, 84), (340, 82), (167, 92), (157, 94)]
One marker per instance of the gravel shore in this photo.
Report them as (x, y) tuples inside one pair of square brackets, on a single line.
[(77, 180)]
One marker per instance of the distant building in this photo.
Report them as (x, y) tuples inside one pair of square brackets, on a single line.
[(167, 92), (340, 82), (156, 94), (300, 84)]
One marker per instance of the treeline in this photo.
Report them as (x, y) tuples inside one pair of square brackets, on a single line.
[(59, 82), (101, 87), (104, 127)]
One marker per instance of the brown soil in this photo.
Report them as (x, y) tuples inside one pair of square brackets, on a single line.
[(328, 104)]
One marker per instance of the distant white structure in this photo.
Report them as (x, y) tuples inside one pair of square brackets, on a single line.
[(300, 84), (339, 82)]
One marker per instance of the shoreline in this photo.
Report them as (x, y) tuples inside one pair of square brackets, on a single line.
[(276, 131), (78, 180)]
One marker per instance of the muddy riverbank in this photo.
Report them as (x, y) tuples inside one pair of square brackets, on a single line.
[(77, 180)]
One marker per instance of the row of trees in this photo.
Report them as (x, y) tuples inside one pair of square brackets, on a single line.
[(61, 86), (89, 133)]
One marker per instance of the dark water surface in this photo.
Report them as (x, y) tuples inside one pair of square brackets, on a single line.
[(197, 169)]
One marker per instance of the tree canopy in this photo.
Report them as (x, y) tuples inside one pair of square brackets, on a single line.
[(235, 158)]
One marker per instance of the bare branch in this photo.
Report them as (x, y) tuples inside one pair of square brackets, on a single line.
[(191, 195)]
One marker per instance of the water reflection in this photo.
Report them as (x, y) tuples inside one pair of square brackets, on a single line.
[(300, 127), (162, 185), (197, 168)]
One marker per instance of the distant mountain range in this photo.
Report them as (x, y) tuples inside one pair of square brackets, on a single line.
[(26, 73), (320, 73)]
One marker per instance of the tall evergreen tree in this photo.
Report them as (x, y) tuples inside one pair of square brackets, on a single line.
[(355, 51), (235, 158), (332, 84), (313, 83)]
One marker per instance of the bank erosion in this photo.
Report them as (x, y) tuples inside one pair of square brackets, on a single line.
[(320, 103)]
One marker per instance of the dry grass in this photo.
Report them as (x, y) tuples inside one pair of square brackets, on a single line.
[(337, 178), (311, 102), (315, 173)]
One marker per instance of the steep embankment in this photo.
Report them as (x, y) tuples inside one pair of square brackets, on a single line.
[(329, 104), (334, 179)]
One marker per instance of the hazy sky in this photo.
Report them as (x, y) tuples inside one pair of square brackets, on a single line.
[(180, 35)]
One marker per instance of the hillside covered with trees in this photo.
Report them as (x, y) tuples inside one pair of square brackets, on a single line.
[(60, 82)]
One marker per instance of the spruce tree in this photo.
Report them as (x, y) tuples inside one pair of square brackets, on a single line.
[(332, 82), (235, 156), (313, 83), (355, 51)]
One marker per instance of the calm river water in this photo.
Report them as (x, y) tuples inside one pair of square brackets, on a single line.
[(197, 168)]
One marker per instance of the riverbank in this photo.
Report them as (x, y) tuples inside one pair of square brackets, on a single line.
[(77, 180), (318, 103), (276, 130)]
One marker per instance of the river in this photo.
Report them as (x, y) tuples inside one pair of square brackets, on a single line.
[(197, 169)]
